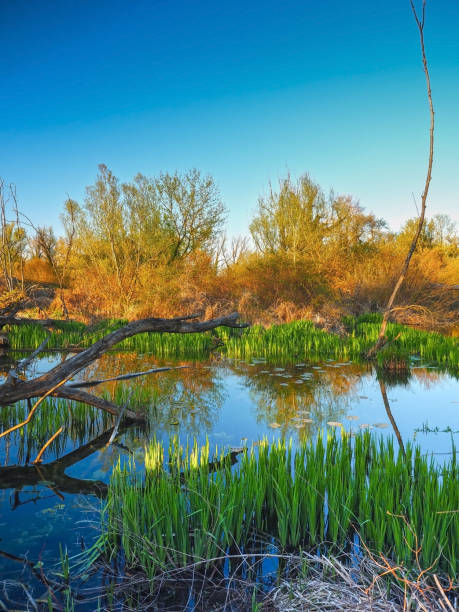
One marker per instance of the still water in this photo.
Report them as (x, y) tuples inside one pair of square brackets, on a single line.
[(232, 403)]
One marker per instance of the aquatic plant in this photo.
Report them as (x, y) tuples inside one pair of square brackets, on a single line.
[(302, 340), (285, 342), (70, 335), (189, 507)]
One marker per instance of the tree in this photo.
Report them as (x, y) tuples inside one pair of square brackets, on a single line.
[(131, 234), (191, 209), (293, 220), (13, 239), (300, 222), (444, 235), (44, 244), (352, 231), (103, 225), (407, 231), (381, 341)]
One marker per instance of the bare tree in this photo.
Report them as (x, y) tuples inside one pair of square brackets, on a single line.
[(382, 340), (12, 239)]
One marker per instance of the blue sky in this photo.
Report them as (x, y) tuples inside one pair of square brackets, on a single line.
[(245, 91)]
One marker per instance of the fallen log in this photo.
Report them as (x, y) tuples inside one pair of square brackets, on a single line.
[(14, 389)]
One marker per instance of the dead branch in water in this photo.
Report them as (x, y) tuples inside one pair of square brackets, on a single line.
[(53, 381)]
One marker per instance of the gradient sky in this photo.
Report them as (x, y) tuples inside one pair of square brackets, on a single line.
[(245, 91)]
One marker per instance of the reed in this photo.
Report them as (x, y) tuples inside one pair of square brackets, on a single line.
[(302, 340), (182, 510), (76, 335), (282, 343)]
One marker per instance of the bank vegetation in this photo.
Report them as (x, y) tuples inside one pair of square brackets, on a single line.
[(157, 247)]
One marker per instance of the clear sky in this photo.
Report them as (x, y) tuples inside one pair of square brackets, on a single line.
[(245, 91)]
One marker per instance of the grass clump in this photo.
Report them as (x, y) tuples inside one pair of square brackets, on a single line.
[(303, 340), (393, 360), (188, 508)]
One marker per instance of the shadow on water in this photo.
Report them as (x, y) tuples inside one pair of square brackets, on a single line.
[(53, 474)]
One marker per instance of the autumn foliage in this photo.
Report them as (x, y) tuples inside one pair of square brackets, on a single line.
[(156, 247)]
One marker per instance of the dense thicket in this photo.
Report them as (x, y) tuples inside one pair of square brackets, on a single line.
[(155, 246)]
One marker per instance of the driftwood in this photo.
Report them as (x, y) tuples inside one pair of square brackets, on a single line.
[(15, 389)]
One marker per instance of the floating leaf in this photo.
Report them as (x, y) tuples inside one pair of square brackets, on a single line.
[(274, 425), (334, 423), (352, 417)]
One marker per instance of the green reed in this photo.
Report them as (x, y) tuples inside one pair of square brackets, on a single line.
[(190, 507), (76, 335), (302, 340), (285, 342)]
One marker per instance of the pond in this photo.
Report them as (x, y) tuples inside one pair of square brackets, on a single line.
[(45, 510)]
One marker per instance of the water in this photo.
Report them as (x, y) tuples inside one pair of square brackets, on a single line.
[(232, 403)]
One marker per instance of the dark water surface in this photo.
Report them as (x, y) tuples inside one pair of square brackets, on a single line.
[(55, 506)]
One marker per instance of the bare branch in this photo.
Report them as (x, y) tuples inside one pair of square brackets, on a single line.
[(93, 383), (381, 338)]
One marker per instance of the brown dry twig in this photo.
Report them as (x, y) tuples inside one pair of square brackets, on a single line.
[(34, 408)]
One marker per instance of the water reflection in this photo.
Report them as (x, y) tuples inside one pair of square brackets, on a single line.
[(301, 397), (52, 476), (226, 400), (190, 398), (382, 386)]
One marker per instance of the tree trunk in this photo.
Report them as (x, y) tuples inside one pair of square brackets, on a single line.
[(15, 389), (381, 341)]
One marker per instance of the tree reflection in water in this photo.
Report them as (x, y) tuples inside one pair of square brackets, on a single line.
[(326, 394)]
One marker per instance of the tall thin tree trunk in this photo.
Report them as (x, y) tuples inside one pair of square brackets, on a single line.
[(381, 341)]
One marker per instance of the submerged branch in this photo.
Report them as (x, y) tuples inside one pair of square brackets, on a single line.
[(93, 383)]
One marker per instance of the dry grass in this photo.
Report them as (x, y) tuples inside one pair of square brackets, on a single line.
[(314, 584), (373, 584)]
